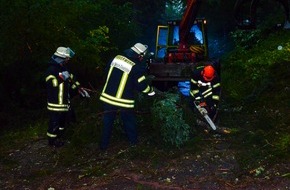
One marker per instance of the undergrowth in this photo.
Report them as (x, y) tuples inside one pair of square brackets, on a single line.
[(247, 67), (167, 114), (256, 81), (255, 106)]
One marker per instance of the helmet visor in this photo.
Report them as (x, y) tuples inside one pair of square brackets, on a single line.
[(69, 52)]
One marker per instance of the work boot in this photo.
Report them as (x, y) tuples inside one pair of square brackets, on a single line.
[(55, 142)]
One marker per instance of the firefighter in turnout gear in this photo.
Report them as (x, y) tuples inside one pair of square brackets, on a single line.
[(59, 82), (205, 89), (125, 75)]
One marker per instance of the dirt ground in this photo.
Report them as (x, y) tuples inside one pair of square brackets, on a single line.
[(37, 166)]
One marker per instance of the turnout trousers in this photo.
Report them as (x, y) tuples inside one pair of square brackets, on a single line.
[(56, 124), (129, 121)]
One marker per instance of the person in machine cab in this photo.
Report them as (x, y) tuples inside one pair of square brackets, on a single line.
[(58, 83), (125, 74), (205, 89)]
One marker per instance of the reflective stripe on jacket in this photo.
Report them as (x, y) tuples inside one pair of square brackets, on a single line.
[(57, 96), (57, 89), (124, 76), (205, 90)]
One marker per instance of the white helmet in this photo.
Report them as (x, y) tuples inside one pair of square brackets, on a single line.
[(64, 52), (140, 49)]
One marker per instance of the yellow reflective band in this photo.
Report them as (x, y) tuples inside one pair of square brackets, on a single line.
[(51, 135), (193, 81), (57, 109), (118, 99), (141, 79), (208, 90), (54, 83), (208, 94), (60, 93), (116, 103), (216, 85), (109, 75), (49, 77), (75, 85), (147, 89), (195, 91), (122, 85), (53, 80), (58, 105), (215, 97)]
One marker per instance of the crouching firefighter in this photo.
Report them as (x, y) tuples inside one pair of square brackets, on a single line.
[(205, 91), (125, 74), (59, 82)]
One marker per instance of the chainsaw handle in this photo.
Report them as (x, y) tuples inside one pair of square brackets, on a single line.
[(196, 103), (201, 110)]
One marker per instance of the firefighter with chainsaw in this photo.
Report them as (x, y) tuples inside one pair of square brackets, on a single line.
[(125, 74), (205, 90), (59, 83)]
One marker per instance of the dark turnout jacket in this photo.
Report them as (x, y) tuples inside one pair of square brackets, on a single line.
[(202, 90), (125, 76), (58, 89)]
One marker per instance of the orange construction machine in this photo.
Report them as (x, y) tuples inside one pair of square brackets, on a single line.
[(179, 46)]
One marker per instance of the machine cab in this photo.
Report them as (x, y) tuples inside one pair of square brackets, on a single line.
[(168, 47)]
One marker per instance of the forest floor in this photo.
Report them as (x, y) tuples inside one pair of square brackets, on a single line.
[(38, 167), (214, 165)]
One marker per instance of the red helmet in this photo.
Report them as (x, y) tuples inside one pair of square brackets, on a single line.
[(208, 73)]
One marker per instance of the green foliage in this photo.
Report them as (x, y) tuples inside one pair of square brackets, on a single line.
[(30, 130), (33, 29), (257, 71), (99, 38), (174, 10), (168, 116), (249, 64), (89, 53), (261, 146), (245, 38), (283, 144), (87, 128), (67, 23), (262, 135)]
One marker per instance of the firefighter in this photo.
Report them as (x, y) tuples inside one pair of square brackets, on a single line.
[(125, 74), (59, 82), (205, 89)]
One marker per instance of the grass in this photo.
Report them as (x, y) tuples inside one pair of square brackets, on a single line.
[(256, 81)]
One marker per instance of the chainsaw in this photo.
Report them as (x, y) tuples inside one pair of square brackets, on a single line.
[(204, 113)]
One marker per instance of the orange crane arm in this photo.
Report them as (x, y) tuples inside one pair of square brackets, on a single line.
[(187, 21)]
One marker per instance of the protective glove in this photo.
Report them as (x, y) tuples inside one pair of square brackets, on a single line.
[(64, 75), (84, 93), (151, 93)]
